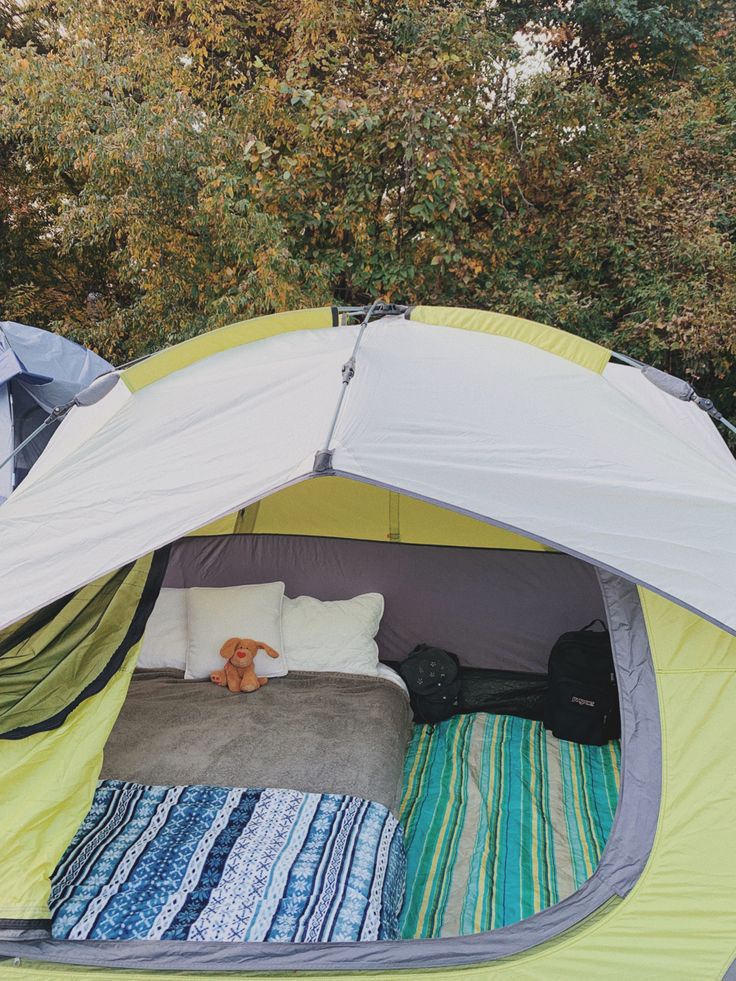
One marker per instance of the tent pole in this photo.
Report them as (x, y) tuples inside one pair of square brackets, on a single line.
[(627, 360), (49, 419), (692, 396), (323, 457)]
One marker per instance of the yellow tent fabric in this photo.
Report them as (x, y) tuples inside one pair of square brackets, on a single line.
[(586, 353), (42, 672), (337, 507), (244, 332), (48, 778), (47, 782)]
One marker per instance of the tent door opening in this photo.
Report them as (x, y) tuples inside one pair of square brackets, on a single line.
[(502, 825)]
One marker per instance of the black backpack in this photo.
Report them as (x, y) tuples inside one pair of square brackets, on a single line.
[(433, 679), (581, 704)]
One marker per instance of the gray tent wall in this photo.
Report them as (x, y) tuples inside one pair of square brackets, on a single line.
[(496, 608), (38, 371)]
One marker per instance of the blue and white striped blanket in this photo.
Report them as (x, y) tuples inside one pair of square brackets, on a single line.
[(211, 863)]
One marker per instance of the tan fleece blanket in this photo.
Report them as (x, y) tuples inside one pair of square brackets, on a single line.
[(318, 732)]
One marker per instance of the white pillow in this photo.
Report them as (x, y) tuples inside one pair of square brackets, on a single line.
[(384, 671), (336, 635), (215, 614), (165, 638)]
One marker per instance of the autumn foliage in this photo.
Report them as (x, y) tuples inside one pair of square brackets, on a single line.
[(167, 167)]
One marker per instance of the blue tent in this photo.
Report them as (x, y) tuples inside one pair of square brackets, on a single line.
[(38, 371)]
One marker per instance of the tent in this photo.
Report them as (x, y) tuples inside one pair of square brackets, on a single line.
[(39, 371), (428, 427)]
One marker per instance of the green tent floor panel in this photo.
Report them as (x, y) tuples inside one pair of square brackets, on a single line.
[(501, 820)]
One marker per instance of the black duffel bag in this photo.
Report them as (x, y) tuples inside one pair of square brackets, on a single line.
[(433, 679), (581, 704)]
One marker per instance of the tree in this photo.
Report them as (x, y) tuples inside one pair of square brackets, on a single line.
[(173, 166)]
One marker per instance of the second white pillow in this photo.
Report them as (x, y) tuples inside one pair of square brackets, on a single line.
[(216, 614), (332, 635), (165, 640)]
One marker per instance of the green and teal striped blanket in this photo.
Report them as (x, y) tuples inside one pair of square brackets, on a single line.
[(500, 821)]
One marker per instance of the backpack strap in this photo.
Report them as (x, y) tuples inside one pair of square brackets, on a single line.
[(593, 623)]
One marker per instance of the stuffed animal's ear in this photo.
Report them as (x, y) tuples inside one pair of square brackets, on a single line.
[(229, 647), (269, 650)]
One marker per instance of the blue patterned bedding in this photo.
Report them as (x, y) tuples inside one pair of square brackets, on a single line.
[(212, 863)]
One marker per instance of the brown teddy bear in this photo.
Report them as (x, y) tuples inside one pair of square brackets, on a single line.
[(239, 674)]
